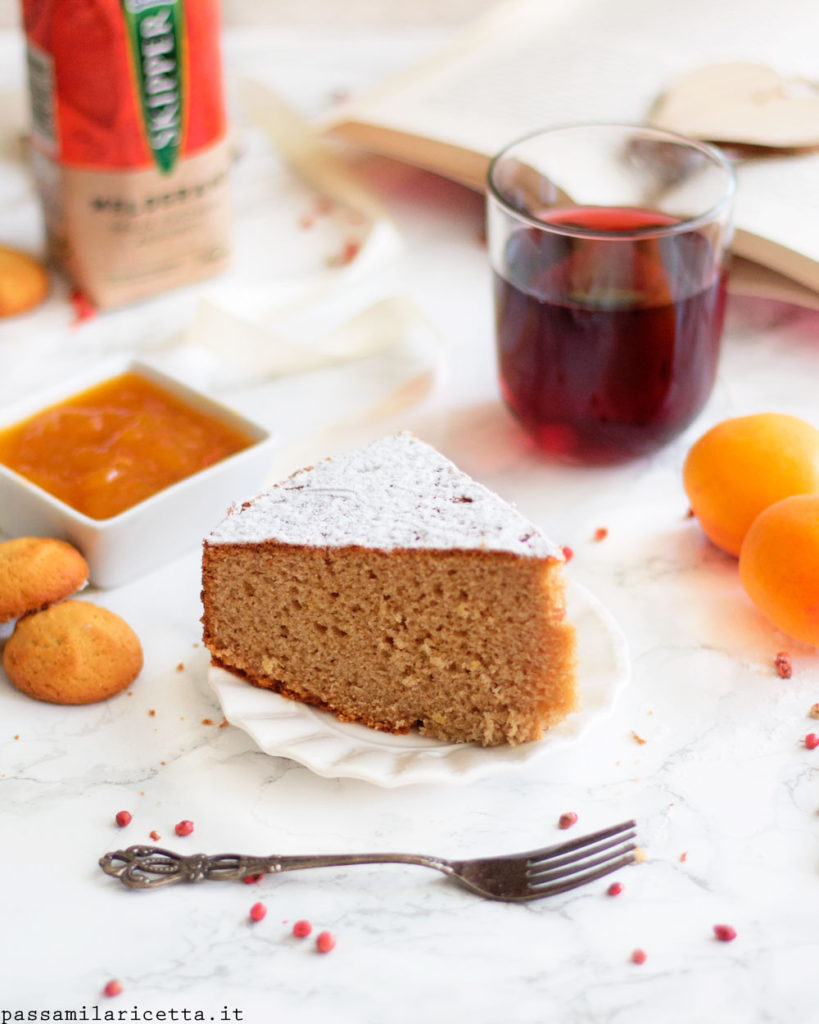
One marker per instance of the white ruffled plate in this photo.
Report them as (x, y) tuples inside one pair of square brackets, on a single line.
[(317, 740)]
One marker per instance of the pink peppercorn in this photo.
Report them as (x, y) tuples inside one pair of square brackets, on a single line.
[(123, 818), (568, 554), (601, 533), (724, 932), (615, 888), (783, 665), (812, 741), (250, 879), (567, 820), (258, 911), (638, 956), (325, 941), (113, 988), (301, 929), (183, 828)]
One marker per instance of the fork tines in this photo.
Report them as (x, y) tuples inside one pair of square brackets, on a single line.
[(581, 860)]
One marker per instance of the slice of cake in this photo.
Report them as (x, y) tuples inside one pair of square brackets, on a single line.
[(388, 587)]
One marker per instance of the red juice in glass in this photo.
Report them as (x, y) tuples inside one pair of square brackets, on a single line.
[(608, 316), (602, 353)]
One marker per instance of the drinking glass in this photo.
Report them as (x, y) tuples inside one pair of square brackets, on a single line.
[(609, 247)]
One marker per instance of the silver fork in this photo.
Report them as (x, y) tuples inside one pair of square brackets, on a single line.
[(515, 877)]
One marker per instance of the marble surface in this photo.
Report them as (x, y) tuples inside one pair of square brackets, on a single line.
[(724, 792)]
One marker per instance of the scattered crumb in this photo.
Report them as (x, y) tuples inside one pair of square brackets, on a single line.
[(601, 533), (639, 739), (683, 856), (690, 513), (154, 835), (17, 736), (813, 713), (223, 724), (639, 855), (207, 721), (180, 667), (152, 713)]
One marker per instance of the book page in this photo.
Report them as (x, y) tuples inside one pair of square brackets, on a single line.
[(534, 63)]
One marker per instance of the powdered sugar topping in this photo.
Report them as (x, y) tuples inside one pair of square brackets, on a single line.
[(396, 493)]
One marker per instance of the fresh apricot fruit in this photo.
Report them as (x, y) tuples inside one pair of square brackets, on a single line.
[(742, 465), (779, 566)]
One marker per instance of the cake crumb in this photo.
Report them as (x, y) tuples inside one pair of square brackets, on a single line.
[(813, 713), (207, 721), (152, 713), (638, 739), (180, 667), (684, 856), (601, 533), (154, 835)]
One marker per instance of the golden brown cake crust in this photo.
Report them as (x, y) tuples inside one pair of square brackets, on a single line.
[(37, 571), (74, 652)]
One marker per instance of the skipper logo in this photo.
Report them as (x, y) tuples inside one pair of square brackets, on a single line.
[(155, 35)]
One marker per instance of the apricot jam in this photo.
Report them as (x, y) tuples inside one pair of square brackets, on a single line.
[(104, 450)]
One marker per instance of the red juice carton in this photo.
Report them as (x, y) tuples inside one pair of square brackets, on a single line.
[(129, 142)]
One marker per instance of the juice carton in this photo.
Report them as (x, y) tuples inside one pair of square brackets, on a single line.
[(129, 146)]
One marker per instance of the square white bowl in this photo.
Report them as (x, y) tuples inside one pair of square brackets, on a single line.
[(156, 530)]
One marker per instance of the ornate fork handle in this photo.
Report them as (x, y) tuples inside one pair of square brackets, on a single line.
[(148, 867)]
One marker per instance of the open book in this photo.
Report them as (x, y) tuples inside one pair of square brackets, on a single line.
[(529, 64)]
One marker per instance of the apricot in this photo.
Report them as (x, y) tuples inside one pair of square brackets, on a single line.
[(779, 566), (742, 466)]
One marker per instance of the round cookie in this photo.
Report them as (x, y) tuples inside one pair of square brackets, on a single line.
[(74, 652), (37, 571), (23, 281)]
